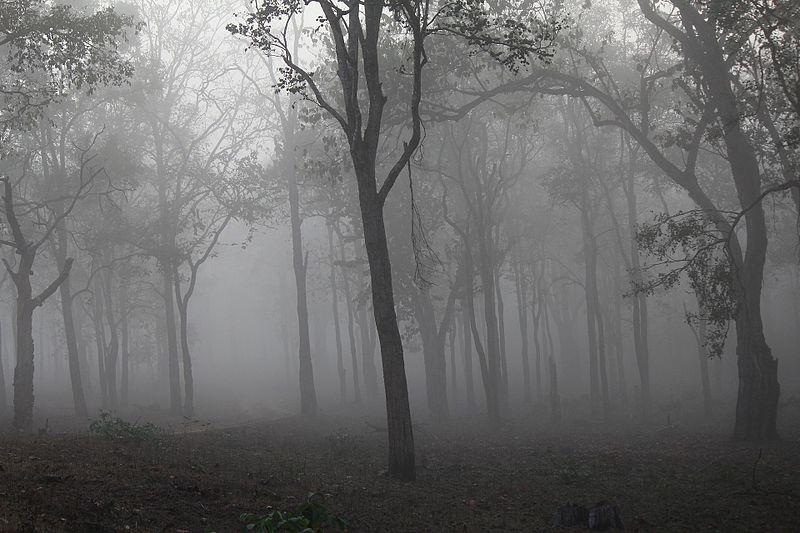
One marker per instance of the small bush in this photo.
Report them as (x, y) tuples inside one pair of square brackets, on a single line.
[(309, 517), (112, 427)]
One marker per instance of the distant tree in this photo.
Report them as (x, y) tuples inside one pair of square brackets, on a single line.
[(52, 51), (693, 55), (195, 113)]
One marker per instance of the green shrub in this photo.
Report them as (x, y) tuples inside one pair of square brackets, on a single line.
[(309, 517), (112, 427)]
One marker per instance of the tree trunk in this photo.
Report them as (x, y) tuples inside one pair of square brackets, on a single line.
[(759, 391), (501, 336), (188, 377), (336, 328), (83, 356), (398, 412), (367, 352), (162, 352), (112, 354), (65, 293), (757, 400), (601, 360), (486, 274), (702, 356), (639, 300), (590, 290), (124, 343), (564, 321), (100, 343), (308, 394), (3, 393), (172, 341), (23, 372), (537, 308), (186, 356), (451, 339), (78, 398), (489, 383), (434, 356), (469, 380), (26, 304), (618, 345), (555, 398), (350, 325), (522, 313)]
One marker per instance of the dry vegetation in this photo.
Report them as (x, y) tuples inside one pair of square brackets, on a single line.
[(663, 479)]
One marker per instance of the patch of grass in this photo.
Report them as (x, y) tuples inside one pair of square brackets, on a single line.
[(112, 427), (343, 443), (309, 517)]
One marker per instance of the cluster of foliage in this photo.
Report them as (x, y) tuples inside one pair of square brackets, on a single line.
[(309, 517), (513, 36), (53, 49), (112, 427), (688, 245)]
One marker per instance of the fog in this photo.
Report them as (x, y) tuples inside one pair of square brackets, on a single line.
[(415, 217)]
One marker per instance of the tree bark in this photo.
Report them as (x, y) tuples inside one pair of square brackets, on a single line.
[(469, 380), (23, 372), (308, 393), (522, 313), (65, 294), (186, 356), (173, 363), (433, 352), (25, 306), (398, 412), (590, 258), (336, 327), (489, 383), (3, 393), (100, 343), (618, 344), (451, 339), (350, 325), (486, 274), (112, 349), (639, 300), (601, 359), (78, 397), (555, 398), (124, 342), (537, 308), (368, 369), (699, 334), (501, 333)]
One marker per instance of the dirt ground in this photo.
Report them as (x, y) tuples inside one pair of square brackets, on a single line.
[(662, 479)]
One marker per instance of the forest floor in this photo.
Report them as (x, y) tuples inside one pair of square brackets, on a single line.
[(514, 479)]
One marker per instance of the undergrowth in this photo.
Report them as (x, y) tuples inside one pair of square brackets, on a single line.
[(310, 517), (114, 428)]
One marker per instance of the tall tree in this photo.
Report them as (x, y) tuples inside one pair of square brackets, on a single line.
[(355, 29)]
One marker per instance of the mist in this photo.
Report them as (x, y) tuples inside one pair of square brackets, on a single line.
[(399, 266)]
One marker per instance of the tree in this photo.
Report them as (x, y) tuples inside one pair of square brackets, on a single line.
[(704, 45), (355, 30), (53, 51), (234, 191)]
